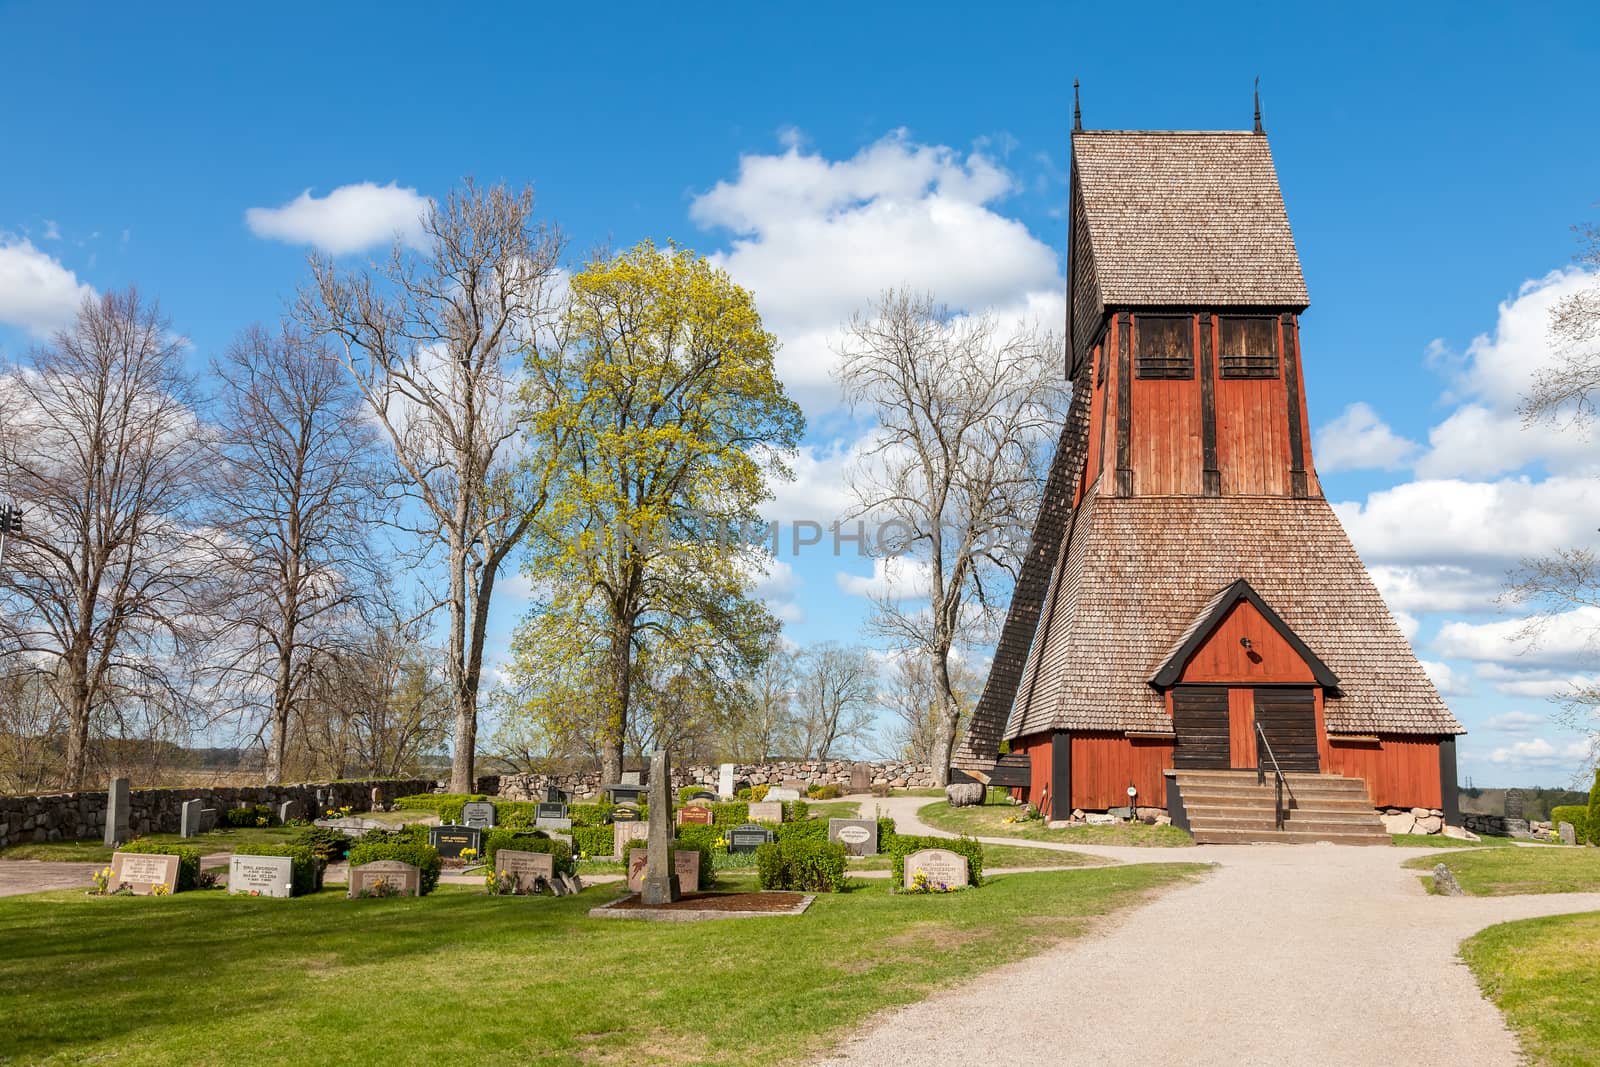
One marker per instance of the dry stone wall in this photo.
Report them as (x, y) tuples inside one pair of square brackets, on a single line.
[(73, 816), (892, 773)]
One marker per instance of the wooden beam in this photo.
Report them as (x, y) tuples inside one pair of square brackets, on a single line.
[(1124, 403), (1291, 378), (1212, 477)]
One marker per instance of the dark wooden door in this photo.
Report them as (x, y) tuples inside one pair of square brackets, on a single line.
[(1200, 723), (1288, 717)]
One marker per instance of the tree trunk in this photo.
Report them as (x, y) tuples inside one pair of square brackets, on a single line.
[(281, 699), (76, 703), (615, 728), (945, 719)]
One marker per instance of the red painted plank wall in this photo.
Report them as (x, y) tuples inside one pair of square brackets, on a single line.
[(1103, 766), (1400, 772)]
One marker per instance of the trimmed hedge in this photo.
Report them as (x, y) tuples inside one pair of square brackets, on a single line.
[(250, 816), (831, 791), (306, 867), (706, 870), (802, 864), (1594, 810), (1576, 814), (373, 848), (329, 845), (188, 860), (445, 805), (497, 839), (594, 841), (904, 845)]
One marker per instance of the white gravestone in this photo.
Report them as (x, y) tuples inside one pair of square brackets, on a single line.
[(261, 876), (725, 781)]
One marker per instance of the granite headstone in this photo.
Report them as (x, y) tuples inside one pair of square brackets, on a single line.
[(261, 876), (451, 841), (189, 818), (685, 862), (748, 838), (478, 814), (725, 780), (527, 868), (858, 836), (402, 879), (118, 804), (766, 811), (695, 814), (142, 873), (623, 832), (939, 865), (661, 884)]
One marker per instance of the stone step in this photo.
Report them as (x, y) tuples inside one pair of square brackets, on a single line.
[(1302, 796), (1250, 780), (1208, 800), (1292, 821), (1287, 837)]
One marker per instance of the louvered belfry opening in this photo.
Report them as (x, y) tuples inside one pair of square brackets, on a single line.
[(1186, 577)]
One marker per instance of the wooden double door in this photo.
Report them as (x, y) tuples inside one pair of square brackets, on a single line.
[(1215, 727)]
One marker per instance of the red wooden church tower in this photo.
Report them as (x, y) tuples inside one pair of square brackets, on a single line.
[(1189, 591)]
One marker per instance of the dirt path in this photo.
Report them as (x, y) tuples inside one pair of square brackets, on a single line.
[(1286, 954)]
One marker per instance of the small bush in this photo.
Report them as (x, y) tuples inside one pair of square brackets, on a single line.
[(886, 834), (758, 793), (1576, 814), (374, 847), (329, 845), (730, 814), (805, 830), (801, 864), (497, 839), (743, 793), (306, 867), (831, 791), (593, 841), (188, 860), (249, 816), (904, 845), (1594, 810), (588, 814), (797, 810)]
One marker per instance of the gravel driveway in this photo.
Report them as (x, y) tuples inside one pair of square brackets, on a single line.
[(1285, 954)]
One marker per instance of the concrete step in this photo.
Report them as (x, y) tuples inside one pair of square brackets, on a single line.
[(1292, 821), (1250, 780), (1286, 837), (1302, 797), (1355, 807)]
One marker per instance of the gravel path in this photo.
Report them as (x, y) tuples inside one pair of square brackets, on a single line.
[(1285, 954)]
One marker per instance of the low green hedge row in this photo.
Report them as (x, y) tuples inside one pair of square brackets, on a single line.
[(499, 838), (594, 841), (905, 844), (306, 867), (1577, 815), (424, 857), (678, 843), (250, 816), (329, 845), (188, 860), (803, 864)]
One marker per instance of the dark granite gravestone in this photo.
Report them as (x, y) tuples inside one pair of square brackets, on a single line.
[(289, 811), (261, 876), (550, 809), (694, 814), (527, 868), (1514, 804), (402, 879), (624, 794), (143, 873), (189, 818), (625, 813), (451, 841), (858, 836), (208, 820), (118, 804), (478, 814), (554, 795), (749, 837), (702, 794)]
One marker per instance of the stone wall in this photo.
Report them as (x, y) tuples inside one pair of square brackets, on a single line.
[(74, 816), (892, 773), (1412, 820)]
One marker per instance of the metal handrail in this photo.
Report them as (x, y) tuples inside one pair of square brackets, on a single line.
[(1280, 783)]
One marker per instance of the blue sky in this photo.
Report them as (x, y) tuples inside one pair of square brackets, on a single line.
[(1432, 161)]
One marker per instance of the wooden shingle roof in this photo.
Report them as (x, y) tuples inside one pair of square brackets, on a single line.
[(1139, 570), (1186, 218)]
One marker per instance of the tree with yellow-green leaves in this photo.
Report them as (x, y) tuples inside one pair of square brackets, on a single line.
[(659, 385)]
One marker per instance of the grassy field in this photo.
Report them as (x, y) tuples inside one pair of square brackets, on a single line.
[(1000, 856), (989, 820), (94, 851), (1494, 872), (1441, 841), (464, 977), (1542, 974)]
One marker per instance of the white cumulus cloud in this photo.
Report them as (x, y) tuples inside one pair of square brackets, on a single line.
[(1359, 440), (1514, 722), (351, 218), (1446, 679), (37, 293)]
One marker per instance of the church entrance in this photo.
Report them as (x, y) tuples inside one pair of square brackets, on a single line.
[(1214, 727)]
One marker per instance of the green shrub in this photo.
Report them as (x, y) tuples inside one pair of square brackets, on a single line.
[(796, 810), (249, 816), (802, 864), (757, 793), (743, 793), (188, 860), (905, 844), (806, 830), (588, 814), (886, 834), (1577, 815), (706, 866), (825, 792), (1594, 810), (515, 814), (594, 841), (306, 866), (497, 839), (329, 845), (730, 814), (374, 847), (445, 805)]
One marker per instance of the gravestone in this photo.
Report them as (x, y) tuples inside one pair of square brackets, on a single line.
[(553, 795), (143, 873), (940, 865), (685, 863), (766, 811), (1518, 828), (208, 820), (118, 803), (571, 881), (1568, 833), (858, 836), (261, 876), (478, 814), (748, 838), (725, 780), (623, 832), (552, 824), (189, 818), (631, 778), (625, 813), (526, 867), (1122, 814), (1513, 803), (695, 815), (451, 841), (1097, 819), (660, 885), (565, 839), (550, 809), (557, 887), (798, 785), (404, 879), (779, 793), (289, 811), (861, 778), (705, 795), (624, 794)]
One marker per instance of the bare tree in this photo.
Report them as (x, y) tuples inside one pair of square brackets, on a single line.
[(32, 729), (769, 724), (913, 697), (1570, 578), (432, 340), (294, 500), (103, 448), (836, 687), (966, 416)]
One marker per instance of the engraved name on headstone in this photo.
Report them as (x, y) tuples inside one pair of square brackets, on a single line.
[(940, 865), (261, 876), (142, 873)]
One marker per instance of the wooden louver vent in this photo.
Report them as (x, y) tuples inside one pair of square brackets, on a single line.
[(1163, 346), (1247, 347)]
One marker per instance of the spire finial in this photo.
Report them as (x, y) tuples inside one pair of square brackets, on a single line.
[(1077, 113), (1258, 104)]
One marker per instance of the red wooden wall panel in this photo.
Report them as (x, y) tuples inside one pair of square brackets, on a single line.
[(1400, 772), (1104, 765), (1223, 659)]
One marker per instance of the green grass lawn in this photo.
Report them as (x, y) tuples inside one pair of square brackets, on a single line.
[(1000, 856), (988, 820), (1441, 841), (95, 851), (832, 809), (1494, 872), (1542, 974), (464, 977)]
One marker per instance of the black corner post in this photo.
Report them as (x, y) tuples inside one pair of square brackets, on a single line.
[(1449, 788), (1061, 775)]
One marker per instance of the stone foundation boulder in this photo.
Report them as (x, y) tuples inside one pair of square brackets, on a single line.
[(964, 794), (1402, 823), (1429, 824)]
